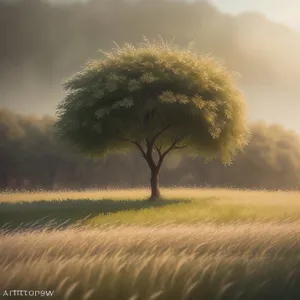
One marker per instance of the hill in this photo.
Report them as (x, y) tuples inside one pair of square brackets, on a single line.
[(45, 43)]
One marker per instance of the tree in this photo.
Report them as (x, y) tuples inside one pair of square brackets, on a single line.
[(158, 99)]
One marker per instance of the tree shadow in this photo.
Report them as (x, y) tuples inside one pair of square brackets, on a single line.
[(42, 214)]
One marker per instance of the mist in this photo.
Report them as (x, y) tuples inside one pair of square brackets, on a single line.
[(43, 43)]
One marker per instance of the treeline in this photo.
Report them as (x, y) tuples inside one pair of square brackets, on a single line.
[(30, 158)]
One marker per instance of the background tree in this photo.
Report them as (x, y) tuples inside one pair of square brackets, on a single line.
[(27, 148), (158, 99)]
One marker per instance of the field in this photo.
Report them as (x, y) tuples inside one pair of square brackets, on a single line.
[(196, 244)]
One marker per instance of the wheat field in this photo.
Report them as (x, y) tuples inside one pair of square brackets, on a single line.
[(196, 245)]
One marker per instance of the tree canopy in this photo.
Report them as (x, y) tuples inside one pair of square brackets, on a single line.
[(157, 98)]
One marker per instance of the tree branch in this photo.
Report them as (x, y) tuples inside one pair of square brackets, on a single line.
[(172, 147), (140, 148), (158, 150), (150, 145), (150, 142), (160, 132), (177, 139)]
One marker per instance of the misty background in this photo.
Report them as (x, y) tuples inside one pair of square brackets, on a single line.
[(42, 43)]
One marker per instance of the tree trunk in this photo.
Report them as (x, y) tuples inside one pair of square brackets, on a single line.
[(155, 193)]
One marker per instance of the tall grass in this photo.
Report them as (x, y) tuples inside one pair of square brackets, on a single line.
[(238, 261), (196, 245)]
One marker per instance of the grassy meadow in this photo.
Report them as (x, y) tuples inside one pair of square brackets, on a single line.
[(197, 244)]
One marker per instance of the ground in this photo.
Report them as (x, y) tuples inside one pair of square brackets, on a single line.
[(196, 244)]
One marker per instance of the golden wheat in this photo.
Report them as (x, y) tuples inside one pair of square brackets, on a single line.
[(158, 262)]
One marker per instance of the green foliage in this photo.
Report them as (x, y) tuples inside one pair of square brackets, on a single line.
[(155, 92)]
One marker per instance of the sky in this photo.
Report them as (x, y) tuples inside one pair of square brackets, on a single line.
[(283, 11)]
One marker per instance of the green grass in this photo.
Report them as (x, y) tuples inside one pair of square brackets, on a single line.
[(207, 244), (130, 207), (200, 211), (71, 211)]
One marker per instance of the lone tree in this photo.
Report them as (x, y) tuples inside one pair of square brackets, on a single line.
[(158, 99)]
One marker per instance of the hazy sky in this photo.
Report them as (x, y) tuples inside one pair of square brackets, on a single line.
[(43, 68), (284, 11)]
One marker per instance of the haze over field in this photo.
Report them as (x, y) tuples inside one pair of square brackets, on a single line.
[(45, 44)]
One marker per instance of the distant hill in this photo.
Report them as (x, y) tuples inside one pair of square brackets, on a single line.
[(42, 44)]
